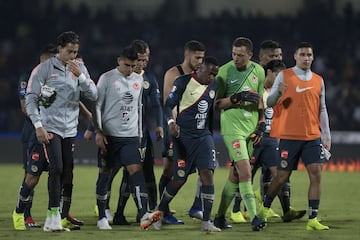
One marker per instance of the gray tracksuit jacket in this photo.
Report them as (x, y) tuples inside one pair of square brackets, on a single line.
[(61, 117)]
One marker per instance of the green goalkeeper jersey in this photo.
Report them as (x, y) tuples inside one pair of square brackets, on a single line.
[(241, 119)]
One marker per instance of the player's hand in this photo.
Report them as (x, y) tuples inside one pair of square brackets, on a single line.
[(174, 130), (74, 67), (281, 88), (43, 136), (101, 141), (258, 134), (88, 135), (247, 96), (159, 133)]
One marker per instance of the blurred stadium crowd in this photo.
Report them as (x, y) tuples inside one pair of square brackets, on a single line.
[(26, 27)]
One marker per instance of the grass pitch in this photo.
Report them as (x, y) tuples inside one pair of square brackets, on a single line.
[(339, 209)]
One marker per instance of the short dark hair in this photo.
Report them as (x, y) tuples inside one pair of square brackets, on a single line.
[(67, 37), (275, 65), (48, 49), (139, 45), (194, 46), (210, 60), (129, 52), (243, 41), (304, 45), (269, 44)]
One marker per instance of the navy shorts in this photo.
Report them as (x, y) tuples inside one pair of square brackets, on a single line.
[(36, 160), (191, 153), (292, 150), (121, 151), (267, 153)]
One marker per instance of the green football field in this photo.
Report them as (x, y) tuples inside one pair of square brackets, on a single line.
[(339, 209)]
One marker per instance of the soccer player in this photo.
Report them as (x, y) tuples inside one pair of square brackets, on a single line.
[(266, 153), (263, 155), (194, 52), (241, 83), (193, 95), (54, 88), (150, 103), (302, 125), (45, 53), (118, 114)]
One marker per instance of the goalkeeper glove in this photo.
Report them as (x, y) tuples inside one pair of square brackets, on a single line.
[(47, 97), (247, 96), (258, 134)]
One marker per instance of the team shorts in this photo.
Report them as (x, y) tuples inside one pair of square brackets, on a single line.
[(193, 153), (266, 154), (237, 147), (292, 150), (36, 159), (121, 151)]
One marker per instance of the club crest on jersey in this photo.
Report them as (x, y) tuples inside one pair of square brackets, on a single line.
[(284, 154), (136, 86), (212, 94), (146, 85), (255, 79)]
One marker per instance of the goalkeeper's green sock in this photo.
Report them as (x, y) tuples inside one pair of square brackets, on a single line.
[(248, 196), (227, 196)]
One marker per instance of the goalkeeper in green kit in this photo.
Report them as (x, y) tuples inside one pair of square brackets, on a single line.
[(241, 83)]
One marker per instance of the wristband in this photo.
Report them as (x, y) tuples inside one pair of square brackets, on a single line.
[(38, 125), (82, 78), (171, 121)]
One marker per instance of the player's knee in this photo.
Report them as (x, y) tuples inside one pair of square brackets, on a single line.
[(31, 181)]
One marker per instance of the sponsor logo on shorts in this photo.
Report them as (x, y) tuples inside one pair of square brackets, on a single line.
[(283, 164), (34, 168), (35, 156), (181, 173), (236, 144), (284, 154), (181, 163)]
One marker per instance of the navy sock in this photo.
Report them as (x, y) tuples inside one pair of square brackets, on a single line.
[(207, 195), (124, 194), (23, 198), (137, 181), (169, 192), (101, 193), (164, 180), (313, 208), (284, 197)]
